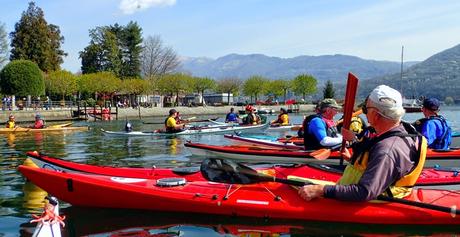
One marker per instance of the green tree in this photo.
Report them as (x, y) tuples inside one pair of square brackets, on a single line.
[(201, 84), (36, 40), (278, 88), (22, 78), (134, 87), (174, 84), (3, 46), (229, 86), (254, 86), (103, 83), (329, 91), (62, 83), (304, 84), (115, 49)]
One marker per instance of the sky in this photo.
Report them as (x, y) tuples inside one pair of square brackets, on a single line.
[(280, 28)]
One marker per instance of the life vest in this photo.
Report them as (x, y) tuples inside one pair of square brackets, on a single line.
[(283, 119), (310, 141), (251, 119), (10, 124), (442, 142), (39, 124), (358, 164), (231, 117)]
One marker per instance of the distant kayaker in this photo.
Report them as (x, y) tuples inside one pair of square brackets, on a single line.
[(170, 123), (39, 123), (11, 123), (128, 126), (319, 129), (232, 117), (388, 164), (282, 120), (251, 117), (434, 126)]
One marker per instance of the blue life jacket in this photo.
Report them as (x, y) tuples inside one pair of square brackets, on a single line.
[(444, 139), (231, 117)]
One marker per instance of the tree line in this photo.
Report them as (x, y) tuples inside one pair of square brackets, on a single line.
[(117, 60)]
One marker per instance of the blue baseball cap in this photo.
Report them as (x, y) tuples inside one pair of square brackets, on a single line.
[(431, 104)]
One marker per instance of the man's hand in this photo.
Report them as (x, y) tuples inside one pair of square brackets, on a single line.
[(348, 135), (309, 192)]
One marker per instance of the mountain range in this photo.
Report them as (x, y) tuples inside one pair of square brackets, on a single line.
[(438, 76), (323, 68)]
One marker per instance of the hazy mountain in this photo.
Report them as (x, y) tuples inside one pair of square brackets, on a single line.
[(438, 76), (327, 67)]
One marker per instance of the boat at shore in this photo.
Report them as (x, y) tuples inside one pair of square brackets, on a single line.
[(267, 200)]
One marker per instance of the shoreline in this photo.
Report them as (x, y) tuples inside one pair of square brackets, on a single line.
[(66, 113)]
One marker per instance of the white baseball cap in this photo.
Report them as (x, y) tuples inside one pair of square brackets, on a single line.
[(388, 101)]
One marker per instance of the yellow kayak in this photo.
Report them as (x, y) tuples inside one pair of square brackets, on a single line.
[(46, 129)]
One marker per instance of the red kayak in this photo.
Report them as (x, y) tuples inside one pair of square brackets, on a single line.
[(272, 200), (428, 177), (252, 153)]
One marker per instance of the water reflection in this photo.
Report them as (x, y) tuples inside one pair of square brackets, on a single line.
[(33, 197)]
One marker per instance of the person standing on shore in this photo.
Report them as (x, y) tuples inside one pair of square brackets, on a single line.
[(434, 126)]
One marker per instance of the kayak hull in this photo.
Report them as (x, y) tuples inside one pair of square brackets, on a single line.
[(262, 153), (264, 200), (195, 131), (47, 129), (428, 177)]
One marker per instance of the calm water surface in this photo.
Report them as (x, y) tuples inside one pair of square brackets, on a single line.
[(19, 199)]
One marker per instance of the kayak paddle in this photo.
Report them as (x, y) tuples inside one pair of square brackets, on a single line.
[(350, 94), (226, 171)]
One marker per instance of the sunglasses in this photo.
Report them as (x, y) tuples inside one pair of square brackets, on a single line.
[(365, 108)]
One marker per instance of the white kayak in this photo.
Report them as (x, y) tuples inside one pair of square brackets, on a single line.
[(271, 127), (195, 131), (49, 228)]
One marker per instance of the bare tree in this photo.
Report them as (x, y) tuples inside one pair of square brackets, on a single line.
[(156, 59)]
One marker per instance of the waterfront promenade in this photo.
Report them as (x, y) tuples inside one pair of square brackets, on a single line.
[(60, 114)]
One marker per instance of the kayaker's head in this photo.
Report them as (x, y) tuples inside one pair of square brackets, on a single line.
[(329, 108), (11, 117), (128, 127), (249, 108), (283, 111), (232, 109), (384, 106), (38, 116), (430, 106), (172, 112)]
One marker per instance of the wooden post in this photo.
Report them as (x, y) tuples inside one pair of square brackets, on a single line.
[(116, 115)]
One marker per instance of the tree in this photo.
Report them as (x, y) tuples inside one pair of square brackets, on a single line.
[(33, 39), (200, 84), (174, 84), (254, 86), (134, 86), (278, 88), (156, 59), (329, 91), (104, 83), (22, 78), (304, 84), (229, 86), (3, 46), (62, 82), (113, 49)]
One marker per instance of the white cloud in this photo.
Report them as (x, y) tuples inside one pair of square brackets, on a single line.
[(132, 6)]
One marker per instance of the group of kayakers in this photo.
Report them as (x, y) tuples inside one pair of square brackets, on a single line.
[(38, 124), (388, 159)]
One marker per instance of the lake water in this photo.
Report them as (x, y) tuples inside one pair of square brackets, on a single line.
[(19, 199)]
